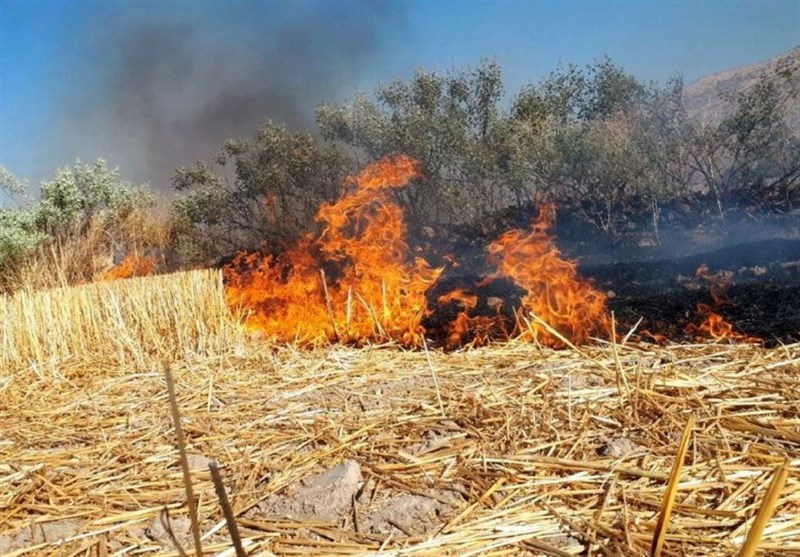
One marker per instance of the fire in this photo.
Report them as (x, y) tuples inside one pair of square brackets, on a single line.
[(134, 265), (713, 324), (356, 282), (556, 295), (478, 330)]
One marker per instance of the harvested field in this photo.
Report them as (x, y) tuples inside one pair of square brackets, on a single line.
[(505, 450)]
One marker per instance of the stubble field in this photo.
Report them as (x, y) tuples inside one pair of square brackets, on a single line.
[(509, 449)]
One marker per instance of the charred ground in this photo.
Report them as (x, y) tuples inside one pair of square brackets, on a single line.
[(758, 254)]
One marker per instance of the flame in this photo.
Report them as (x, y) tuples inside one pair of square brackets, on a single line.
[(134, 265), (657, 338), (556, 295), (356, 281), (373, 290), (466, 330), (713, 324)]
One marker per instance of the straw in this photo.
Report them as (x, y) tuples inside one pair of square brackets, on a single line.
[(768, 505), (539, 450), (672, 490)]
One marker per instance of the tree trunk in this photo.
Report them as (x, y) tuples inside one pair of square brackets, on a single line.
[(656, 212)]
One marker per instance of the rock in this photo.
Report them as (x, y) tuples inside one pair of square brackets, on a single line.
[(181, 527), (56, 530), (5, 545), (325, 496), (197, 462), (618, 447), (42, 532)]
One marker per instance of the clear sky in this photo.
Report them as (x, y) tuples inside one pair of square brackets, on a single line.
[(60, 96)]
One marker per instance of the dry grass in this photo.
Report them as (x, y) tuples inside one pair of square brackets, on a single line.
[(127, 321), (523, 437), (86, 254)]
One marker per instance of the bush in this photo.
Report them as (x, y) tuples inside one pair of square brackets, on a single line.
[(267, 190), (454, 125), (86, 219)]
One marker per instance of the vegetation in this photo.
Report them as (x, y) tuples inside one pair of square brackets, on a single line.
[(85, 220), (267, 190), (752, 153), (594, 140)]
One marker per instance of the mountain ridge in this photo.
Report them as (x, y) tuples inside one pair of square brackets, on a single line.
[(702, 97)]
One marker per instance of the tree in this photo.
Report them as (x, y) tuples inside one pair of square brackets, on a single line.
[(266, 191), (603, 143), (10, 183), (82, 196), (453, 124), (662, 140), (751, 152), (18, 233), (84, 217)]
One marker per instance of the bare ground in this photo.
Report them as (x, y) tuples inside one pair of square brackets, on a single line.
[(507, 450)]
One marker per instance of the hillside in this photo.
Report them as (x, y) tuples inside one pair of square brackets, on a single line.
[(702, 97)]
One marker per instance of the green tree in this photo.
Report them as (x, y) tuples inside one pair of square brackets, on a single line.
[(603, 143), (751, 153), (18, 233), (84, 217), (266, 190), (86, 195), (661, 139), (454, 124)]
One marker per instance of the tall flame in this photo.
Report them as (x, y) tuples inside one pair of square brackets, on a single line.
[(374, 290), (356, 282), (556, 295)]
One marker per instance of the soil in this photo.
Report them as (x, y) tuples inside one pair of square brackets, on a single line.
[(340, 495), (655, 282)]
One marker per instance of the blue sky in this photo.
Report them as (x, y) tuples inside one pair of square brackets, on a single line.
[(45, 68)]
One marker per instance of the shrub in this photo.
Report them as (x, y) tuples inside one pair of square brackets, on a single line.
[(266, 190)]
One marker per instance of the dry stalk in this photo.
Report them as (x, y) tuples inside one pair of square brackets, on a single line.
[(227, 512), (187, 478), (672, 489), (766, 509), (435, 377)]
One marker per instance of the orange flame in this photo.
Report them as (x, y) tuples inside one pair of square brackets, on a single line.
[(134, 265), (357, 283), (713, 324), (469, 330), (375, 292), (555, 293)]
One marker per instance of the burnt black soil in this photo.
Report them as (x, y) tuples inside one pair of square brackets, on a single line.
[(656, 283), (762, 299)]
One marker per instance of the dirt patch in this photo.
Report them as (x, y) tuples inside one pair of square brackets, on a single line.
[(160, 527), (35, 534), (325, 496), (340, 494), (407, 515)]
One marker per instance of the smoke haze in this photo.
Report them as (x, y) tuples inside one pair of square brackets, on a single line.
[(164, 89)]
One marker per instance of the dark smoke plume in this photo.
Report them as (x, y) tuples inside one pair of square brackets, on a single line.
[(155, 88)]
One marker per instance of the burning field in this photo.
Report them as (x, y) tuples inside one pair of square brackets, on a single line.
[(364, 395)]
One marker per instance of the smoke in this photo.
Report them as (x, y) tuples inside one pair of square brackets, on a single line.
[(156, 88)]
